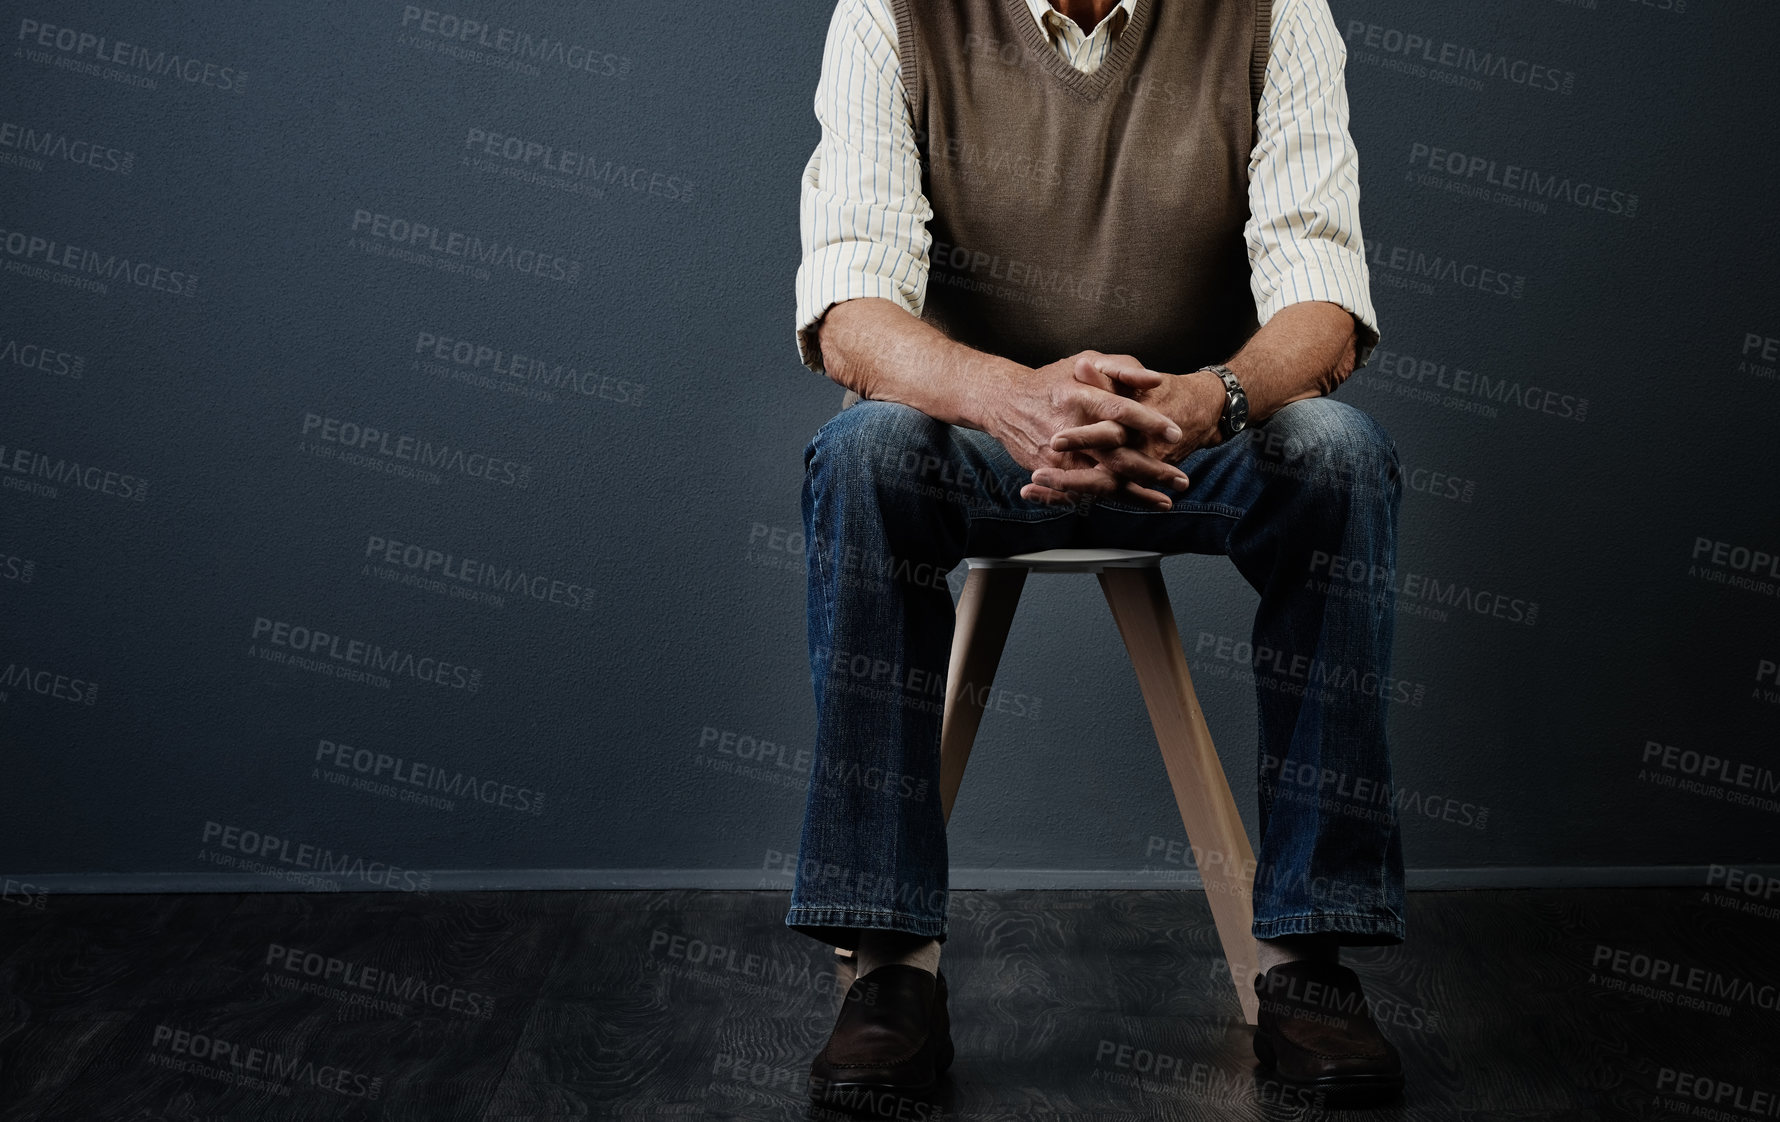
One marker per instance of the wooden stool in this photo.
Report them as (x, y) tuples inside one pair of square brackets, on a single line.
[(1132, 582)]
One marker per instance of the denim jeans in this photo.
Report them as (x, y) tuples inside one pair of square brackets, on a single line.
[(1305, 504)]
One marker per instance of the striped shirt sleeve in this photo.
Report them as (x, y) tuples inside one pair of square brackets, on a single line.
[(1303, 231), (862, 215)]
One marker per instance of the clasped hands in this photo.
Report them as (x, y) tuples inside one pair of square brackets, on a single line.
[(1103, 424)]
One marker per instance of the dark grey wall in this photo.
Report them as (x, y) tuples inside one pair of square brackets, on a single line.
[(1594, 447)]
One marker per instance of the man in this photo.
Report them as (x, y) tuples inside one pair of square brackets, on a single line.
[(1093, 268)]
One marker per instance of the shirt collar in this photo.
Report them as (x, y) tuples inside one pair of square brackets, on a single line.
[(1039, 9)]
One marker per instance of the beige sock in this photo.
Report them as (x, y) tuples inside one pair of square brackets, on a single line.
[(1297, 948), (884, 948)]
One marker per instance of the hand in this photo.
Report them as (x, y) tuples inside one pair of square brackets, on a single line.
[(1194, 403), (1069, 394)]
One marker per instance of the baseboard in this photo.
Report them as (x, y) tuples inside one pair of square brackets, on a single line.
[(590, 880)]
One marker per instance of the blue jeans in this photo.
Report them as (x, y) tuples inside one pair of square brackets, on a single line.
[(1306, 506)]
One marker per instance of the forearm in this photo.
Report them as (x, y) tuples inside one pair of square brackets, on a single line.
[(875, 348), (1305, 350)]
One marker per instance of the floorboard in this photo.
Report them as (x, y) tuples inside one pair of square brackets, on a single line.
[(1561, 1006)]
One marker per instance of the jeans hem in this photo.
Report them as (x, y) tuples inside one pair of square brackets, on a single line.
[(1351, 929), (840, 927)]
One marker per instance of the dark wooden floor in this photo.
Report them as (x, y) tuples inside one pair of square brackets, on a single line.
[(1104, 1005)]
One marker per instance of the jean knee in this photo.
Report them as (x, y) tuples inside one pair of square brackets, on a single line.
[(1333, 436), (875, 436)]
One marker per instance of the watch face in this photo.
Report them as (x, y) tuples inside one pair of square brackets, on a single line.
[(1238, 413)]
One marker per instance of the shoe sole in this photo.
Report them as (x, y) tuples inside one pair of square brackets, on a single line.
[(870, 1100), (824, 1093), (1335, 1090)]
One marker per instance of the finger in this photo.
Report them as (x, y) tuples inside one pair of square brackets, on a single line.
[(1087, 481), (1032, 492), (1144, 495), (1130, 463), (1050, 496), (1068, 461), (1126, 371), (1126, 486), (1085, 372), (1127, 411), (1120, 486), (1100, 434), (1097, 481)]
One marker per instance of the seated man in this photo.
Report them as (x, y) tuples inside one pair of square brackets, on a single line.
[(1091, 289)]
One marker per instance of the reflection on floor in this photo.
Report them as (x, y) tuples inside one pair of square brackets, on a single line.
[(1598, 1005)]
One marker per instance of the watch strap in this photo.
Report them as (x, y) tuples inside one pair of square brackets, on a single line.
[(1233, 393)]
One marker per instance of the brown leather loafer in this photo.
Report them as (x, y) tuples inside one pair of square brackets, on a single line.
[(1315, 1031), (890, 1045)]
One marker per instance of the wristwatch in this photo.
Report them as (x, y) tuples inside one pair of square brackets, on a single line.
[(1234, 418)]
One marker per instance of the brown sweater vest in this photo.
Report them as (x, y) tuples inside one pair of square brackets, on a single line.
[(1076, 211)]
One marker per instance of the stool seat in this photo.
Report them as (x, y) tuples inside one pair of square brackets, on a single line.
[(1071, 560)]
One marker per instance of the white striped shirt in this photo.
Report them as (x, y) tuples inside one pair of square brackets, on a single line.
[(863, 217), (1084, 52)]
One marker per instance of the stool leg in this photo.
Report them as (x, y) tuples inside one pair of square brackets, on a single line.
[(985, 612), (1139, 602)]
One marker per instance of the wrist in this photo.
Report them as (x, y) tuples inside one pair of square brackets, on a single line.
[(1203, 406), (988, 381)]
